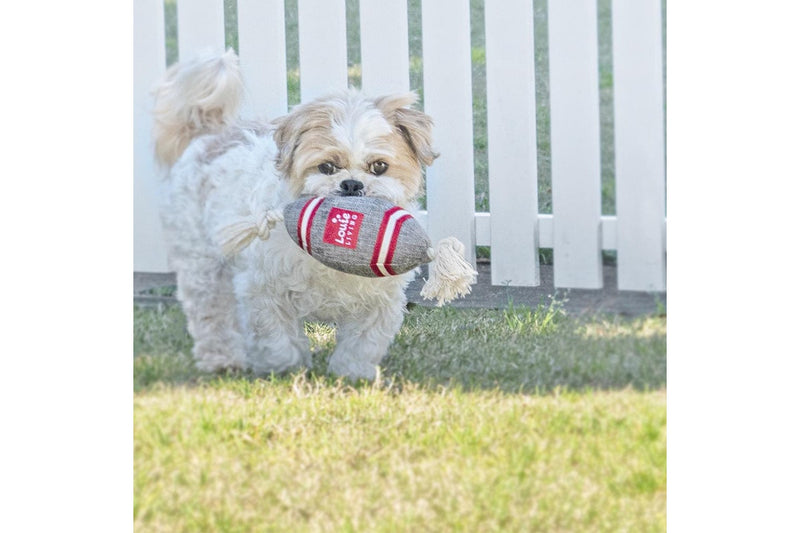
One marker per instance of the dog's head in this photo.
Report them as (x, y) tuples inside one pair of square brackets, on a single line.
[(348, 144)]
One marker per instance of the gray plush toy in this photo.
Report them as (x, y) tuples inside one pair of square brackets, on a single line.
[(364, 236)]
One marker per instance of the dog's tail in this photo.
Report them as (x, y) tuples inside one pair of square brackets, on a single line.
[(195, 98)]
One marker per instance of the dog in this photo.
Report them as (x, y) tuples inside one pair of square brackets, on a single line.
[(247, 310)]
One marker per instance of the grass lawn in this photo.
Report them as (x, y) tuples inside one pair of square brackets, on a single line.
[(485, 420)]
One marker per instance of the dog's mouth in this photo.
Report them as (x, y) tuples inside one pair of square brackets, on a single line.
[(387, 189)]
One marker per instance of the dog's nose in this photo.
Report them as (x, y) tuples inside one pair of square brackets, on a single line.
[(351, 188)]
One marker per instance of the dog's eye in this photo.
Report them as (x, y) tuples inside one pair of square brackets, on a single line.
[(378, 167), (327, 168)]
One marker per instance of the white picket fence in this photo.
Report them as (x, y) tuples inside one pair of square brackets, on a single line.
[(576, 230)]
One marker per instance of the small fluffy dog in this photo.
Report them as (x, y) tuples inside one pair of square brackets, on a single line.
[(248, 310)]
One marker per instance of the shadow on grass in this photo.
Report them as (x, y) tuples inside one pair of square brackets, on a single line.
[(514, 350)]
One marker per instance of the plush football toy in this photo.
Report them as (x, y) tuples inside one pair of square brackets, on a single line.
[(364, 236), (358, 235)]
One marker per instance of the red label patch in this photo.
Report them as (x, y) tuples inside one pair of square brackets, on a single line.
[(342, 226)]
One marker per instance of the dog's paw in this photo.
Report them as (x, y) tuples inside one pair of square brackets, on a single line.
[(285, 365), (218, 365), (352, 370)]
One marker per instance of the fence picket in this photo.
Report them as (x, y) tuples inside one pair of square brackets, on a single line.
[(323, 47), (262, 55), (149, 63), (639, 145), (575, 143), (511, 112), (201, 27), (513, 228), (384, 54), (447, 79)]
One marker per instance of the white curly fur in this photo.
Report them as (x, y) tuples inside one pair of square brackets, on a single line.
[(248, 311)]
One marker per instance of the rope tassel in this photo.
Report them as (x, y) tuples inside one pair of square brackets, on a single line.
[(235, 237), (450, 276)]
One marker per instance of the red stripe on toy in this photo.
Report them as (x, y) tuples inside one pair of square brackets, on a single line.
[(302, 215), (304, 222), (393, 244), (374, 264), (310, 222)]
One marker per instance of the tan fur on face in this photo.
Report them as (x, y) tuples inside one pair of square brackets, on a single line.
[(352, 132)]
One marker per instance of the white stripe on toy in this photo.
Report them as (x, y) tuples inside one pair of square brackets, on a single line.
[(388, 240), (304, 224)]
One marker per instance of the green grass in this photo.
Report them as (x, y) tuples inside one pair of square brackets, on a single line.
[(517, 349), (314, 456), (484, 420)]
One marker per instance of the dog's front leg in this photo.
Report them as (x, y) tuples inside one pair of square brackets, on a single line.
[(277, 340), (362, 341)]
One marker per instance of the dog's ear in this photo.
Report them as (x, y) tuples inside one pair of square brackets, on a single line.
[(414, 125), (290, 131), (287, 136)]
